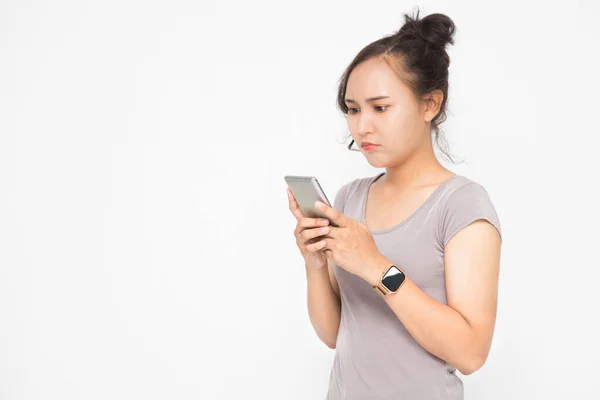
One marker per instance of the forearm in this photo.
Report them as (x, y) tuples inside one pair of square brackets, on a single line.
[(437, 327), (324, 306)]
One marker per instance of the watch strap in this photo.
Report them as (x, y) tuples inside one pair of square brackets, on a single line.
[(382, 289)]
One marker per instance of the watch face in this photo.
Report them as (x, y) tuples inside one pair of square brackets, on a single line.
[(393, 278)]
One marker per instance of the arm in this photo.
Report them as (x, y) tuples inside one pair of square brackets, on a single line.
[(459, 333), (324, 305)]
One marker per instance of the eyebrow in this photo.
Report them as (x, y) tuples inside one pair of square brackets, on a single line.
[(368, 100)]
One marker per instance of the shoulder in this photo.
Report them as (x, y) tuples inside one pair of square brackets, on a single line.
[(462, 202), (461, 188)]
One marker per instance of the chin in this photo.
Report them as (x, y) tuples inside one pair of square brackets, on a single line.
[(376, 162)]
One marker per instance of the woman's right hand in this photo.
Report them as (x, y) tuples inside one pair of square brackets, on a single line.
[(308, 233)]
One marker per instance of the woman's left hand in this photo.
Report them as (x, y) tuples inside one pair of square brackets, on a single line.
[(351, 246)]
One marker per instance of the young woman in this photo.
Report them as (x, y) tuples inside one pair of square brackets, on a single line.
[(405, 289)]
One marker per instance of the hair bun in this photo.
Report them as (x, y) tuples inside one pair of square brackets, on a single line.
[(437, 30)]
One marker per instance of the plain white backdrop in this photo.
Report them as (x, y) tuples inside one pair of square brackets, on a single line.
[(146, 246)]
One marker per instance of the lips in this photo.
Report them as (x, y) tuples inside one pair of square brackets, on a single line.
[(364, 144), (369, 147)]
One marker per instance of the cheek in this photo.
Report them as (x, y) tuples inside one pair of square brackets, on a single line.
[(404, 117), (402, 127), (404, 135)]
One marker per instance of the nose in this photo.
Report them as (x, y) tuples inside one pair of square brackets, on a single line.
[(364, 124)]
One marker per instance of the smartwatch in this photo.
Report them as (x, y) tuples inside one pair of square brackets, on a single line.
[(390, 281)]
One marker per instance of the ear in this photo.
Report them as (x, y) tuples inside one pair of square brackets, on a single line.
[(432, 103)]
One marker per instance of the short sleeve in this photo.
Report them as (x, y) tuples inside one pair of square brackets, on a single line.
[(467, 204)]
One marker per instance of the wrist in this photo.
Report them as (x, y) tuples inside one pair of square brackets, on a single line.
[(378, 267), (312, 270)]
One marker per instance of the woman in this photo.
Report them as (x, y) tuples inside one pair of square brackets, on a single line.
[(432, 236)]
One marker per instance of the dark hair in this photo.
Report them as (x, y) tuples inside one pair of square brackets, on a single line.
[(417, 53)]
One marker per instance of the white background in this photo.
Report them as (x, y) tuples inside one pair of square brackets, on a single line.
[(146, 246)]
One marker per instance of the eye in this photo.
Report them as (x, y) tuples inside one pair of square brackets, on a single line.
[(379, 109)]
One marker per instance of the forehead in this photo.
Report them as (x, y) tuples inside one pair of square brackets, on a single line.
[(375, 77)]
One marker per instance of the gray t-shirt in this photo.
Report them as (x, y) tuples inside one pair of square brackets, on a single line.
[(376, 357)]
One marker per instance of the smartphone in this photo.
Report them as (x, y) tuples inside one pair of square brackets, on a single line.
[(307, 190)]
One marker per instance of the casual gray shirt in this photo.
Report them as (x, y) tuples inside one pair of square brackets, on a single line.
[(376, 357)]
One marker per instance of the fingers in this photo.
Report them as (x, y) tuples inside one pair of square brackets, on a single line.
[(320, 245), (307, 222), (331, 213), (308, 234)]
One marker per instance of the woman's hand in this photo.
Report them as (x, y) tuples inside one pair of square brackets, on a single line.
[(307, 233), (351, 245)]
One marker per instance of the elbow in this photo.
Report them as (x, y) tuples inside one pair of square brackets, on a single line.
[(475, 357), (329, 340), (472, 365)]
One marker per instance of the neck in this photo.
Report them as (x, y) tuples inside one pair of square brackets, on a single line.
[(421, 168)]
